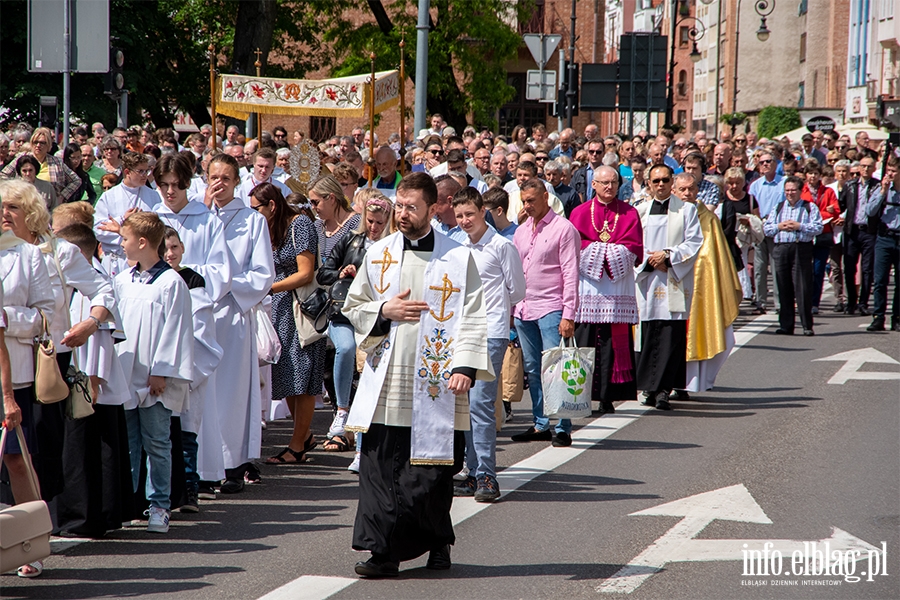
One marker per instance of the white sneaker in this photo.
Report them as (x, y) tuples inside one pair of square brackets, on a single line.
[(461, 476), (337, 425), (354, 466), (158, 521)]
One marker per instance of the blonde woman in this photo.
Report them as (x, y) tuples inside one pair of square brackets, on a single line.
[(342, 263), (336, 217), (52, 169)]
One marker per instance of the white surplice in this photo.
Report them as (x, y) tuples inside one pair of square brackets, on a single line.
[(159, 337), (237, 376), (112, 205), (205, 250)]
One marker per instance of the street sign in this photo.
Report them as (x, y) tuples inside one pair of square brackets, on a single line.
[(854, 359), (733, 503), (541, 46), (89, 36), (535, 91)]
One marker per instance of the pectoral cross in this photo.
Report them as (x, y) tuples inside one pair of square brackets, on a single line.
[(446, 291), (386, 261)]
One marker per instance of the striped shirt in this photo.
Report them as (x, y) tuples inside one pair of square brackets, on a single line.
[(804, 213)]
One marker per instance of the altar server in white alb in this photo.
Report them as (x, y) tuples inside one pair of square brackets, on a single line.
[(117, 203), (665, 286), (202, 237), (418, 309), (253, 272), (157, 356)]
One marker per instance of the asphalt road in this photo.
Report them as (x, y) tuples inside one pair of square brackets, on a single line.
[(781, 454)]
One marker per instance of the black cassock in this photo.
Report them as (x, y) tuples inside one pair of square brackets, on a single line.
[(404, 509), (662, 361)]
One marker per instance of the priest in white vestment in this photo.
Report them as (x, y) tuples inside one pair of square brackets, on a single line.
[(418, 309), (664, 283)]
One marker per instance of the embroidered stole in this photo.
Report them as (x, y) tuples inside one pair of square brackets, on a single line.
[(434, 405), (675, 236)]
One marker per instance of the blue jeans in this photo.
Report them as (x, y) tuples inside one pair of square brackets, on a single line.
[(149, 427), (820, 261), (190, 448), (481, 439), (341, 335), (535, 337)]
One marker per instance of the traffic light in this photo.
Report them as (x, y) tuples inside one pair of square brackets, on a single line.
[(559, 107), (48, 112), (115, 79)]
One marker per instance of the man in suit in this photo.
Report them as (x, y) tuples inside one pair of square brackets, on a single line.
[(859, 237), (581, 179)]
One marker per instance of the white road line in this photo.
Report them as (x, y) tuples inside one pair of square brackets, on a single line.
[(524, 471), (310, 587)]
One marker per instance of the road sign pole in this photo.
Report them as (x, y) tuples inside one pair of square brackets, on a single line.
[(560, 92), (67, 65)]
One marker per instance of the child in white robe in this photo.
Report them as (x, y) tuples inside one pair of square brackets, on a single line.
[(157, 356), (207, 353)]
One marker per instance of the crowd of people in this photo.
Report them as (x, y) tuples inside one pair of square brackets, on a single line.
[(156, 269)]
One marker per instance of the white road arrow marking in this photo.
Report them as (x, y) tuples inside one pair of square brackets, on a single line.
[(854, 359), (732, 503)]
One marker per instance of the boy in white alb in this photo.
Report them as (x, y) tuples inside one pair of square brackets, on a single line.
[(157, 356)]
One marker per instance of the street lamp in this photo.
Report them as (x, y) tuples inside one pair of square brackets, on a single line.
[(763, 8), (695, 32)]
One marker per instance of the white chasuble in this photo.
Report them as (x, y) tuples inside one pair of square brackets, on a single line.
[(406, 372)]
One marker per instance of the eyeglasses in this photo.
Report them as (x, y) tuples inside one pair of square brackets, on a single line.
[(767, 161), (142, 172), (594, 151), (541, 158), (606, 183), (436, 152), (410, 208), (257, 207), (661, 180), (280, 135)]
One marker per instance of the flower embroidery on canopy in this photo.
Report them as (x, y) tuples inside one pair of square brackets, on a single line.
[(257, 90)]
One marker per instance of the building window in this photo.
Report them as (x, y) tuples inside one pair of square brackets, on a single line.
[(802, 47), (536, 23), (682, 83), (322, 128), (684, 36), (802, 9), (682, 118), (802, 100), (519, 110)]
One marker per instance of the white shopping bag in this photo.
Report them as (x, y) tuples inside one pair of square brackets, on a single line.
[(267, 343), (567, 374)]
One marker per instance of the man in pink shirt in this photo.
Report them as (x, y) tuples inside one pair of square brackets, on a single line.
[(549, 246)]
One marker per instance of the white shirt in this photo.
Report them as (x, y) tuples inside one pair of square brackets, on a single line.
[(113, 204), (248, 183), (442, 169), (502, 276), (513, 186)]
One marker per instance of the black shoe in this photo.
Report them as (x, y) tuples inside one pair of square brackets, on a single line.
[(850, 310), (466, 487), (877, 325), (839, 307), (863, 311), (376, 568), (649, 399), (815, 310), (488, 489), (207, 490), (607, 408), (679, 395), (781, 331), (533, 435), (662, 400), (895, 325), (191, 505), (809, 332), (232, 486), (562, 440), (439, 559), (251, 475)]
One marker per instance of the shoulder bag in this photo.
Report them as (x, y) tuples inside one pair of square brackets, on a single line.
[(311, 321), (24, 528), (49, 385)]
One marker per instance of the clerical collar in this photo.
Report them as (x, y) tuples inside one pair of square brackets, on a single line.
[(424, 244), (658, 207)]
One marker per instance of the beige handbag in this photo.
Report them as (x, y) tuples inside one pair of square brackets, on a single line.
[(79, 404), (49, 385), (24, 528)]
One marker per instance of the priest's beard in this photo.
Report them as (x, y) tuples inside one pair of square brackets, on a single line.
[(414, 227)]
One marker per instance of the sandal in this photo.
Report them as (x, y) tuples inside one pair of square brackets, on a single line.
[(38, 567), (278, 459), (337, 443)]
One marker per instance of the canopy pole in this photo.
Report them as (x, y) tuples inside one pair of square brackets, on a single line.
[(371, 161), (212, 94), (258, 64), (403, 108)]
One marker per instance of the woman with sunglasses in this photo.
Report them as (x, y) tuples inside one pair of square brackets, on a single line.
[(51, 169)]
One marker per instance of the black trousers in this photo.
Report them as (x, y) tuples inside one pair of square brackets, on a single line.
[(887, 256), (860, 245), (794, 275)]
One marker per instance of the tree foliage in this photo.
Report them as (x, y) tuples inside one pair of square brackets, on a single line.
[(167, 64), (775, 120)]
